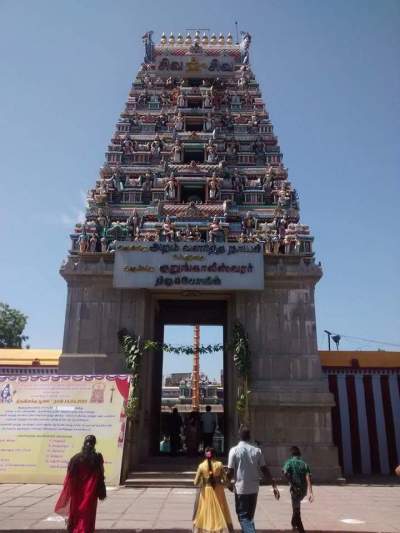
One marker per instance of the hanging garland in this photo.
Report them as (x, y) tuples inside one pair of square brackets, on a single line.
[(133, 348), (182, 350), (242, 360)]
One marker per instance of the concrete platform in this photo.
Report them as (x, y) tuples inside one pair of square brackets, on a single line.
[(361, 508)]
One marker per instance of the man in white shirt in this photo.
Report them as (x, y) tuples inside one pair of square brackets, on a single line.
[(245, 464)]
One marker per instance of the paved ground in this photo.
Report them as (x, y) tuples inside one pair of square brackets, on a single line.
[(351, 508)]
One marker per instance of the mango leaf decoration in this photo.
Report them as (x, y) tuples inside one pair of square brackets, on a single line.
[(241, 351)]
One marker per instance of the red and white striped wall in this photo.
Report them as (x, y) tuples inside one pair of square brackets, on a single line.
[(366, 418)]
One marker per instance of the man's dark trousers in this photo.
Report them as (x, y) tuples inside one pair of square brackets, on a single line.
[(297, 496), (208, 440), (245, 508)]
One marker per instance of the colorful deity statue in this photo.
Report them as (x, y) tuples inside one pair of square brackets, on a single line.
[(83, 242), (231, 148), (178, 123), (211, 152), (93, 242), (242, 82), (103, 244), (249, 224), (177, 152), (259, 146), (127, 145), (215, 230), (168, 229), (207, 100), (209, 122), (181, 100), (133, 222), (146, 182), (116, 180), (171, 188), (213, 187), (253, 121), (244, 47), (156, 145), (148, 47)]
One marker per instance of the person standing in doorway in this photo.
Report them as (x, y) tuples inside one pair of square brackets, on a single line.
[(175, 424), (192, 433), (208, 425), (245, 464), (298, 474)]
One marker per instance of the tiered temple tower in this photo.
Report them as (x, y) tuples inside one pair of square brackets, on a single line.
[(194, 157)]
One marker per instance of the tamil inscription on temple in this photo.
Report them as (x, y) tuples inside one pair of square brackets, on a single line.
[(186, 265)]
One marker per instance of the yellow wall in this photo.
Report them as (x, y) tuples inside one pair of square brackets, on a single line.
[(334, 358), (365, 359), (17, 357)]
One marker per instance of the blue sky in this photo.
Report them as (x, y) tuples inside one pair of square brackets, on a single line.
[(329, 73)]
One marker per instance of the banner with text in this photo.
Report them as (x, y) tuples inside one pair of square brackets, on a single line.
[(188, 265), (44, 419)]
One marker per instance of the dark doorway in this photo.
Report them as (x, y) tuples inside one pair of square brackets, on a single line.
[(193, 152), (185, 313), (193, 193), (194, 82), (193, 124), (195, 102)]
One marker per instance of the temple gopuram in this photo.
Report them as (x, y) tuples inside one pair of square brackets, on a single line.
[(194, 157), (193, 220)]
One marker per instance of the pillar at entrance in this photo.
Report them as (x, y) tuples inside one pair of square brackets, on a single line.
[(194, 176), (289, 402)]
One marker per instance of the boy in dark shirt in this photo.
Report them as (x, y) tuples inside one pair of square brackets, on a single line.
[(298, 474)]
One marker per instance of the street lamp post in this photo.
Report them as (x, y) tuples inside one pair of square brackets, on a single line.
[(329, 338)]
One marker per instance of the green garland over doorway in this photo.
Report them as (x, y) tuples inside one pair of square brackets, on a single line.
[(134, 347)]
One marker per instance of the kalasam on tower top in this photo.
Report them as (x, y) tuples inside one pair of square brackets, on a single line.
[(193, 219)]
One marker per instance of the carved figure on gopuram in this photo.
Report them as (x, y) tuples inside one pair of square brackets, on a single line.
[(171, 188), (148, 47), (213, 187)]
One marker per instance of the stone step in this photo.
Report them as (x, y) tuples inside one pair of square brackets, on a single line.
[(160, 478), (158, 482), (165, 468), (163, 473)]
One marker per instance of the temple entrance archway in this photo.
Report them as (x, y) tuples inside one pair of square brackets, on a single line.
[(186, 312)]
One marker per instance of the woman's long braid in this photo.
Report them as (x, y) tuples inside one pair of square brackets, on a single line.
[(210, 455)]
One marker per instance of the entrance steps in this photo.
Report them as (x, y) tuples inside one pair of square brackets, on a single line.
[(168, 472)]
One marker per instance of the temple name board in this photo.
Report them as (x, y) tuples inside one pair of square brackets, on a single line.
[(188, 265), (192, 65)]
